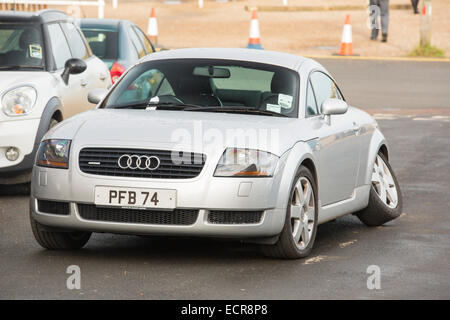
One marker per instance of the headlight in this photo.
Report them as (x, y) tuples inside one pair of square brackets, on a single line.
[(53, 154), (19, 101), (246, 163)]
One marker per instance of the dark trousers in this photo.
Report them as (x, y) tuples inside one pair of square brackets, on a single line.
[(415, 4), (383, 12)]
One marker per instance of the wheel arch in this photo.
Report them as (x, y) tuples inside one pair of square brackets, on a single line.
[(384, 150), (300, 154), (52, 110), (378, 143)]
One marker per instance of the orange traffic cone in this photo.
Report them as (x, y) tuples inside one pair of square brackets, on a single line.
[(152, 30), (346, 48), (254, 42)]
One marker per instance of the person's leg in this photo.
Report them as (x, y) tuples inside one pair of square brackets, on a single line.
[(384, 13), (374, 14), (414, 4)]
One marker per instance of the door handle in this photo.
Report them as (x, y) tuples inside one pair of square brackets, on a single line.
[(84, 83), (356, 128), (103, 76)]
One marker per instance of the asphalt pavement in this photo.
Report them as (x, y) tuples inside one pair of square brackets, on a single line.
[(411, 251)]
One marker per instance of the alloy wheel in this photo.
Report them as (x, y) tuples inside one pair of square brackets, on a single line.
[(302, 213), (384, 183)]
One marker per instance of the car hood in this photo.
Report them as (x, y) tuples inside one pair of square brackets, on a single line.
[(181, 130)]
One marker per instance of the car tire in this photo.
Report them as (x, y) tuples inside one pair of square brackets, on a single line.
[(53, 122), (384, 205), (58, 240), (291, 244)]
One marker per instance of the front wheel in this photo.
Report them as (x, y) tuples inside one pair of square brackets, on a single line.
[(58, 240), (385, 199), (299, 231)]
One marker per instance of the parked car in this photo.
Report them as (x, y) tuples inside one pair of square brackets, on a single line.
[(237, 143), (119, 43), (46, 72)]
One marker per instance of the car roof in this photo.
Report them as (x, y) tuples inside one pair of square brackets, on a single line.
[(103, 24), (42, 16), (252, 55)]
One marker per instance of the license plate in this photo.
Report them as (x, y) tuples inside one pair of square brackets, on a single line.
[(135, 197)]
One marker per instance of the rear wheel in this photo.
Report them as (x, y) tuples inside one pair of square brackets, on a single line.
[(58, 240), (299, 231), (385, 200)]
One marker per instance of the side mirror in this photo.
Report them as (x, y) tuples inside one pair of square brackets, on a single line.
[(97, 95), (73, 66), (333, 106)]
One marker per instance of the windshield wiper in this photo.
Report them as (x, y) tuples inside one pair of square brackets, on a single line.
[(156, 105), (238, 110), (16, 67)]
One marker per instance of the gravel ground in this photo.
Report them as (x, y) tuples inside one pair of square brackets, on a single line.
[(319, 32)]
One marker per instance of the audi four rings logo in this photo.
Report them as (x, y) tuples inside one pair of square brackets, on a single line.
[(134, 162)]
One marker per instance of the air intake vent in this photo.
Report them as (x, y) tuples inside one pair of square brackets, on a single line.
[(234, 217), (53, 207), (159, 164), (107, 214)]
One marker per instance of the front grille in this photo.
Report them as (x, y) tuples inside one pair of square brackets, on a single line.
[(176, 217), (104, 161), (234, 217), (53, 207)]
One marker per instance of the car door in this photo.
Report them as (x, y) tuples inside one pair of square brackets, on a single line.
[(69, 93), (96, 74), (338, 142)]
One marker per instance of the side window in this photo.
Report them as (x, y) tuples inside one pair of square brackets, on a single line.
[(144, 39), (76, 42), (324, 88), (60, 48), (137, 43), (311, 105)]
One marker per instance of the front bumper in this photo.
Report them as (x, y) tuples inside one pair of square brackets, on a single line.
[(203, 193), (22, 135)]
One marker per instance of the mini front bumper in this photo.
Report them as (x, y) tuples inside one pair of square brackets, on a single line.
[(20, 134), (203, 193)]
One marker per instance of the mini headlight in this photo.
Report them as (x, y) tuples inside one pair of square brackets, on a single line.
[(237, 162), (53, 154), (19, 101)]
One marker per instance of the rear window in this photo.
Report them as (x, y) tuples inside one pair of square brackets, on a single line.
[(104, 44)]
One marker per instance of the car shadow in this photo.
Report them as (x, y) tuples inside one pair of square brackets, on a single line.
[(114, 247), (15, 189)]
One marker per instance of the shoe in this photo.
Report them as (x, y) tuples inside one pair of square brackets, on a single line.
[(374, 34), (384, 37), (416, 11)]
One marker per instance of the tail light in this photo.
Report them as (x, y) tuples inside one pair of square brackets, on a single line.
[(116, 71)]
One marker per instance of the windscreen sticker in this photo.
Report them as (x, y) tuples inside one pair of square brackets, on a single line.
[(273, 107), (35, 51), (285, 101)]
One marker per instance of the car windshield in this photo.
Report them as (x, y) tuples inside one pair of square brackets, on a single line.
[(210, 85), (21, 47), (103, 43)]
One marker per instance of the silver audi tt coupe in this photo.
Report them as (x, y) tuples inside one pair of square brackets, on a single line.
[(248, 144)]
